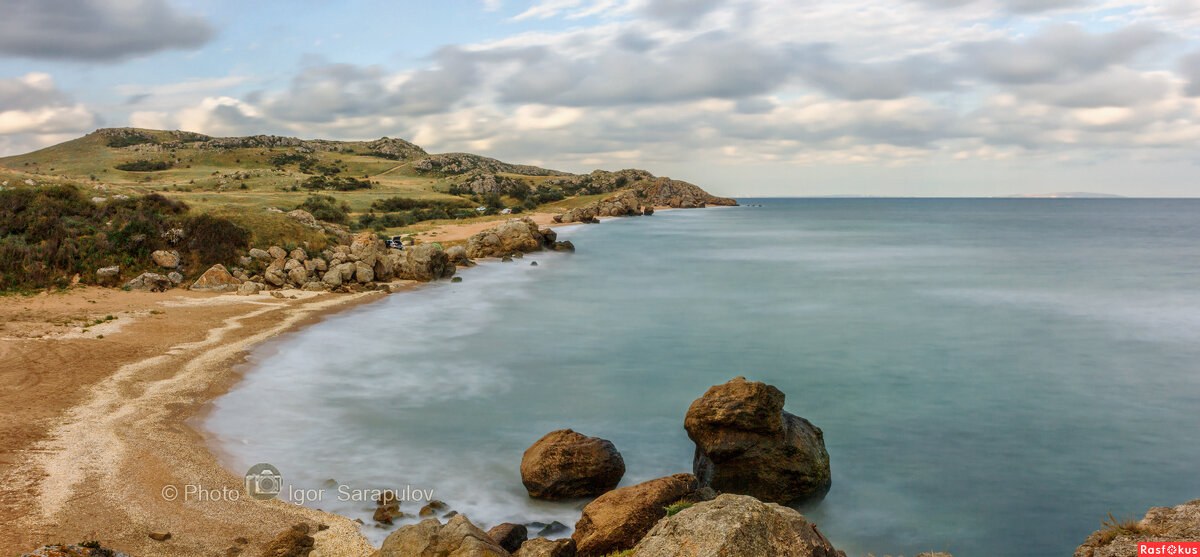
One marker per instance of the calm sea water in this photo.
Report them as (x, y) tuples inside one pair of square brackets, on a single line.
[(993, 376)]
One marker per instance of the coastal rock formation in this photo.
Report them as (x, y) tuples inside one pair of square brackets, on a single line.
[(542, 547), (619, 519), (425, 262), (652, 190), (564, 465), (733, 526), (1180, 523), (623, 204), (430, 538), (166, 259), (747, 444), (458, 256), (679, 194), (509, 536), (293, 542), (512, 236), (152, 282), (216, 279)]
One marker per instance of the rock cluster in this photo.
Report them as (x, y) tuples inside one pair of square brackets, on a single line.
[(747, 444), (510, 237), (564, 465), (430, 538), (732, 526), (624, 204)]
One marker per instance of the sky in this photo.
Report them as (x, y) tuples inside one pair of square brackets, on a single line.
[(743, 97)]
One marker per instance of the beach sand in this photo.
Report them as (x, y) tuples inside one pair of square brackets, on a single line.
[(95, 429)]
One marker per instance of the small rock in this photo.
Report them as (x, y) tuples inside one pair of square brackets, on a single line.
[(160, 536), (506, 259), (426, 511), (456, 279), (385, 513), (175, 277), (533, 264), (551, 529), (153, 282), (542, 547), (509, 536), (277, 252), (259, 254), (166, 259)]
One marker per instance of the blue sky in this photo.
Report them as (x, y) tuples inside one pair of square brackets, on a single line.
[(744, 97)]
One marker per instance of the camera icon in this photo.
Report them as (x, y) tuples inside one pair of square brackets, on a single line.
[(263, 482)]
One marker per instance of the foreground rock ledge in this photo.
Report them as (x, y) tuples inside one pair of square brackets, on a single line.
[(617, 520), (747, 444), (1160, 524), (732, 526), (430, 538), (564, 465)]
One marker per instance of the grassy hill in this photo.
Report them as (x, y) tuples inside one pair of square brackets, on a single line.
[(388, 186)]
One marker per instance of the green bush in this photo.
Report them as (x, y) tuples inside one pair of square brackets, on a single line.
[(326, 208), (143, 166)]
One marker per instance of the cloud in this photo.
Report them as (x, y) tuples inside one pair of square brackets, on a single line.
[(679, 13), (1016, 6), (97, 31), (32, 104), (1189, 68), (1057, 52)]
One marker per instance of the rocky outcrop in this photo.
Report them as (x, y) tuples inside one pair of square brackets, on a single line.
[(430, 538), (650, 189), (623, 204), (293, 542), (565, 465), (733, 526), (619, 519), (166, 259), (216, 279), (1160, 524), (425, 262), (458, 256), (747, 444), (513, 236), (152, 282), (679, 194), (74, 551), (542, 547), (509, 536), (461, 163)]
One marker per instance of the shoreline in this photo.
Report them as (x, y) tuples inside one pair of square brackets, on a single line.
[(134, 426)]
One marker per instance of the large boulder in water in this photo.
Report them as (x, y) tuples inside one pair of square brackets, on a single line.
[(425, 262), (564, 465), (617, 520), (512, 236), (747, 444), (733, 526), (430, 538)]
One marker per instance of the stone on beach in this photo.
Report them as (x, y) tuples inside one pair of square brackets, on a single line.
[(216, 279), (513, 235), (425, 262), (152, 282), (732, 526), (619, 519), (166, 259), (509, 536), (564, 464), (747, 444)]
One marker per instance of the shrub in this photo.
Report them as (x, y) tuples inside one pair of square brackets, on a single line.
[(326, 208), (143, 166)]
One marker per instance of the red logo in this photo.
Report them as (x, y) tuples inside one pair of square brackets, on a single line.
[(1169, 548)]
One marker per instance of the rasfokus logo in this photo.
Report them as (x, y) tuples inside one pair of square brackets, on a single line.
[(1169, 548), (263, 481)]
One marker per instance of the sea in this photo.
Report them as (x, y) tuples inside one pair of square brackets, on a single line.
[(993, 376)]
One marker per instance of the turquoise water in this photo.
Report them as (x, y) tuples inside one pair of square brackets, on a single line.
[(993, 376)]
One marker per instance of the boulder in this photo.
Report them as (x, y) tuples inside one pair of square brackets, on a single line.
[(647, 211), (275, 277), (363, 272), (564, 245), (509, 536), (513, 235), (305, 218), (747, 444), (619, 519), (1181, 523), (542, 547), (166, 259), (314, 286), (564, 465), (732, 526), (108, 274), (175, 277), (153, 282), (425, 262), (430, 538), (216, 279), (366, 247), (293, 542), (332, 278), (261, 255), (250, 288), (277, 252), (298, 254), (458, 256), (385, 267), (297, 274), (347, 270)]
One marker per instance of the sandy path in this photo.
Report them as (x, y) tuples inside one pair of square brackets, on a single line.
[(94, 429)]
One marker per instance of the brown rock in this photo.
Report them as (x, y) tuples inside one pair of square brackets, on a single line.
[(617, 520), (289, 543), (425, 262), (514, 235), (430, 538), (564, 464), (542, 547), (747, 444), (165, 259), (385, 513), (216, 279), (732, 526), (509, 536), (160, 536), (1180, 523)]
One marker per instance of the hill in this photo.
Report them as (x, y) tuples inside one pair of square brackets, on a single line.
[(388, 186)]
